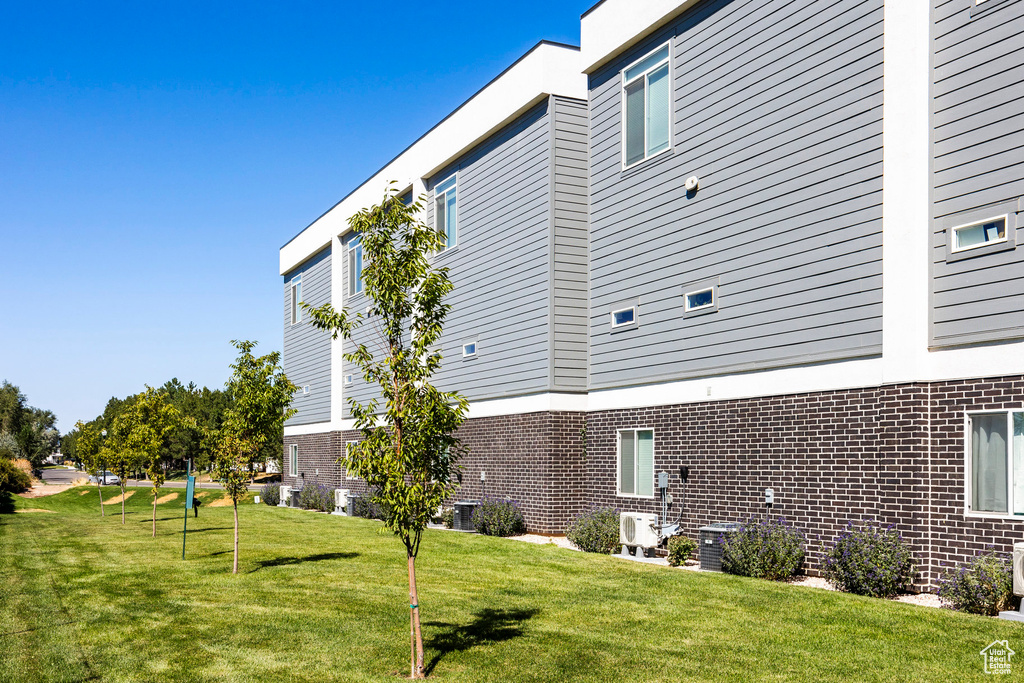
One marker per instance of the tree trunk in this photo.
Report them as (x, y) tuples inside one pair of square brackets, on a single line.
[(155, 494), (414, 603), (122, 501), (103, 513), (234, 569)]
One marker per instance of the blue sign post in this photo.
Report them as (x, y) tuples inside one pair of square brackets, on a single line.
[(190, 488)]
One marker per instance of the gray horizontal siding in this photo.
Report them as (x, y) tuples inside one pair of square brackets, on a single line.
[(500, 268), (569, 254), (307, 351), (977, 168), (777, 108)]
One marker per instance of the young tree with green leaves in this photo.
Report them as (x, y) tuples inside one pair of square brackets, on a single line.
[(260, 394), (409, 450), (149, 420), (88, 447)]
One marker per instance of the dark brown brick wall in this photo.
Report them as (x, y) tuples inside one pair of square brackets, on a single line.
[(892, 453), (535, 459)]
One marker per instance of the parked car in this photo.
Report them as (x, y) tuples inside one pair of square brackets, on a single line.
[(109, 478)]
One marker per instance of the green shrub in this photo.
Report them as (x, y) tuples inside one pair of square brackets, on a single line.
[(680, 549), (365, 506), (982, 586), (270, 494), (448, 518), (595, 531), (498, 517), (763, 549), (316, 497), (13, 479), (869, 559)]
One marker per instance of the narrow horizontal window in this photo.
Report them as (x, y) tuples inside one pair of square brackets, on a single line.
[(624, 316), (469, 350), (702, 298), (974, 235)]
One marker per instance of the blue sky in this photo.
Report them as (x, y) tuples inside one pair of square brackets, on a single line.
[(154, 159)]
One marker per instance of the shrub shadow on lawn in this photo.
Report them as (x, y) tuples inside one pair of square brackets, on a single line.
[(212, 528), (488, 626), (281, 561)]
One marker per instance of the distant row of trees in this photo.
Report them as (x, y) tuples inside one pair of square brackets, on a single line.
[(230, 432), (25, 432)]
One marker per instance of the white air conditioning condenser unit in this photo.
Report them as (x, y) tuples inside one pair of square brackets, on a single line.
[(638, 529), (340, 501), (1018, 583), (286, 493)]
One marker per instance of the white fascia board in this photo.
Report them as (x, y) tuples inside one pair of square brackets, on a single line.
[(613, 26), (548, 69)]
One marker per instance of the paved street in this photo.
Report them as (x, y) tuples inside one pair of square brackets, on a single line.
[(61, 476)]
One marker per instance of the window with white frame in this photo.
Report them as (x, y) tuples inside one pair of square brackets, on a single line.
[(469, 350), (979, 234), (348, 450), (624, 317), (293, 460), (355, 265), (995, 462), (646, 109), (699, 300), (446, 212), (295, 298), (636, 462)]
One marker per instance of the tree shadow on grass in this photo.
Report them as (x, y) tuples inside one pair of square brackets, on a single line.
[(281, 561), (212, 528), (488, 626), (6, 503)]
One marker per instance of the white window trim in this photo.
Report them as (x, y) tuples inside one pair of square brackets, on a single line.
[(632, 323), (453, 188), (347, 444), (476, 349), (959, 250), (293, 459), (618, 463), (622, 96), (294, 310), (686, 299), (351, 244), (969, 474)]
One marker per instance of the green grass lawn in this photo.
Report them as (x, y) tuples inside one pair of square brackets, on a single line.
[(322, 598)]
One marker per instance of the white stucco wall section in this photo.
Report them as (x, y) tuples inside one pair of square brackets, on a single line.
[(548, 69), (905, 194)]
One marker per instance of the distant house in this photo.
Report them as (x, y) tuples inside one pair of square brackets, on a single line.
[(773, 242)]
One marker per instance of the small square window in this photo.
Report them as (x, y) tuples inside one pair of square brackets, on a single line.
[(624, 317), (979, 234), (702, 298), (295, 290), (348, 380), (446, 212), (469, 350), (305, 389)]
